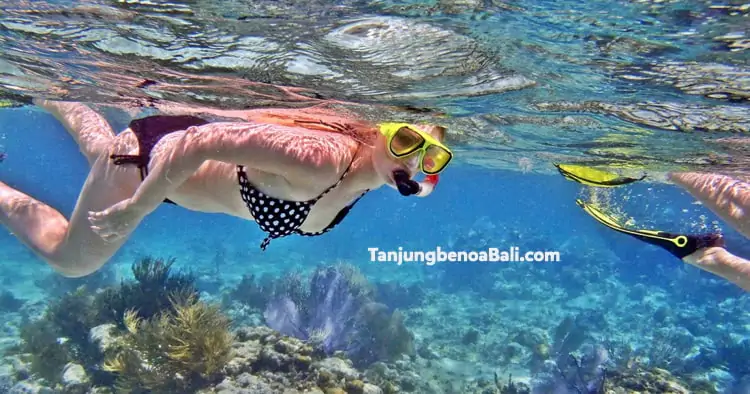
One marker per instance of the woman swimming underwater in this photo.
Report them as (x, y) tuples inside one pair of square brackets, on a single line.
[(291, 171)]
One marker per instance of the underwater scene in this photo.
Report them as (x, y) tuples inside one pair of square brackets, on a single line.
[(375, 197)]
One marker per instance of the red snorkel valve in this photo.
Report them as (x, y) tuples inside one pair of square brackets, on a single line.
[(427, 185)]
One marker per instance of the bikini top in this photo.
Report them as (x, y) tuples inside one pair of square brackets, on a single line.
[(277, 217), (280, 218)]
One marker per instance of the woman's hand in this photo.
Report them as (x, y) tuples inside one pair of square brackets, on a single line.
[(117, 221)]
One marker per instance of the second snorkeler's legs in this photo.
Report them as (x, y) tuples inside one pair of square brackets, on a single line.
[(720, 262), (91, 131), (70, 247), (727, 197)]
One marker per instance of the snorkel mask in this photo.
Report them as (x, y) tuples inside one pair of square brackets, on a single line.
[(402, 140)]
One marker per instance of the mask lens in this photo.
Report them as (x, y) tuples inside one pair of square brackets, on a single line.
[(435, 159), (405, 141)]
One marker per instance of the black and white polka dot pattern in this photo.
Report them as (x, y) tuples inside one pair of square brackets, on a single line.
[(278, 217)]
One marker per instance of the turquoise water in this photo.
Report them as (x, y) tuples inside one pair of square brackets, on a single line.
[(641, 87)]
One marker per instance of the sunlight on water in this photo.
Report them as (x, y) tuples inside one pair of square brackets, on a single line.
[(159, 281)]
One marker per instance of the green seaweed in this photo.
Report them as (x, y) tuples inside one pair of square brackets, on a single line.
[(384, 333), (61, 335), (252, 291), (154, 283), (569, 336), (40, 345), (511, 387), (74, 318), (177, 351)]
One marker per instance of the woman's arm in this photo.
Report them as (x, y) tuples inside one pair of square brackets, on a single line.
[(309, 158), (299, 155)]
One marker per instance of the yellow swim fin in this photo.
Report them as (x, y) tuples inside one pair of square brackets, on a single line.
[(679, 245), (593, 177)]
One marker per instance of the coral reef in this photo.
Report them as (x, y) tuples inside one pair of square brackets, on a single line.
[(397, 295), (255, 360), (253, 291), (267, 362), (180, 350), (149, 294), (511, 387), (733, 355), (43, 351), (549, 328), (187, 345), (62, 334), (651, 381), (9, 302), (337, 312), (569, 366)]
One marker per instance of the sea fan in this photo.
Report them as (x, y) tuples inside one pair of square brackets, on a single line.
[(574, 375), (327, 318), (339, 314)]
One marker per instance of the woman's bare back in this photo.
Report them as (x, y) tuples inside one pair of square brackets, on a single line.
[(215, 188)]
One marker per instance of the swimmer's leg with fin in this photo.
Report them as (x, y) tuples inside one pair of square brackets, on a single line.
[(680, 245)]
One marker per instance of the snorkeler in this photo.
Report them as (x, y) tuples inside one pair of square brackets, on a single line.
[(297, 172), (728, 198)]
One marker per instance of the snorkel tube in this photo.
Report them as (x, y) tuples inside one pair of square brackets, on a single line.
[(408, 187), (427, 185)]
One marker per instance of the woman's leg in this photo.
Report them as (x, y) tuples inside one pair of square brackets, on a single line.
[(71, 247), (91, 131), (727, 197), (722, 263)]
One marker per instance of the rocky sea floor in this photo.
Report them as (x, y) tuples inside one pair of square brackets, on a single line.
[(497, 340)]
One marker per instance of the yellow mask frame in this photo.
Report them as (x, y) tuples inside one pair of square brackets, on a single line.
[(428, 147)]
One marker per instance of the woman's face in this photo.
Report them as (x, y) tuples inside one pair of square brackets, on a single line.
[(385, 164)]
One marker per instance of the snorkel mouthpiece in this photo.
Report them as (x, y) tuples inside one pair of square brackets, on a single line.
[(407, 186)]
